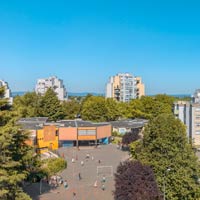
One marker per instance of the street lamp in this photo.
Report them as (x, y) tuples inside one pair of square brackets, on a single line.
[(164, 187), (40, 186)]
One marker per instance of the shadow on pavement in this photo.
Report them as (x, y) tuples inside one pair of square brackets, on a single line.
[(34, 190)]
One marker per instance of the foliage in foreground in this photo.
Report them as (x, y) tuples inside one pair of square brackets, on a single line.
[(130, 137), (135, 181), (94, 108), (166, 149), (15, 156), (53, 166)]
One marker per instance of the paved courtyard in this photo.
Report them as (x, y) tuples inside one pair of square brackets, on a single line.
[(84, 189)]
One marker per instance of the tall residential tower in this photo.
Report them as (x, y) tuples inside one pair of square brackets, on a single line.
[(53, 83), (7, 93), (189, 113), (124, 87)]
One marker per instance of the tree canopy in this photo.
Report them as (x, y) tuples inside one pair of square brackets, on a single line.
[(15, 156), (94, 109), (135, 181), (28, 105), (130, 137), (71, 109), (51, 106), (35, 105), (165, 146)]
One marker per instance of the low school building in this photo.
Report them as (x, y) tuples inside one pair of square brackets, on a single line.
[(83, 133), (46, 136)]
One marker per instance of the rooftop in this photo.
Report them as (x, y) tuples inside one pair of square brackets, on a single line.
[(129, 123), (33, 123), (36, 123), (79, 123)]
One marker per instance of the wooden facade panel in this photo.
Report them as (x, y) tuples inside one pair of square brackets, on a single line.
[(67, 133), (104, 131)]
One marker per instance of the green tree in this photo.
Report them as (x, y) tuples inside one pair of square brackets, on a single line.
[(166, 99), (28, 105), (152, 106), (165, 146), (3, 101), (137, 109), (51, 107), (112, 113), (54, 165), (94, 109), (71, 109), (15, 156), (124, 110)]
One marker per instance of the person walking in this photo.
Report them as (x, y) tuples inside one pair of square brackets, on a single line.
[(82, 163), (104, 179), (79, 176), (65, 184), (103, 187), (95, 184), (74, 195), (87, 156)]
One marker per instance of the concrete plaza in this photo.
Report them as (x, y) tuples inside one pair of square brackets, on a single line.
[(84, 189)]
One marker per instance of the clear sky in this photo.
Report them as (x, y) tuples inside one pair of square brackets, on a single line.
[(84, 42)]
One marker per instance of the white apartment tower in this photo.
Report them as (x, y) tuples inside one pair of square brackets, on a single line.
[(189, 114), (124, 87), (54, 83), (7, 93)]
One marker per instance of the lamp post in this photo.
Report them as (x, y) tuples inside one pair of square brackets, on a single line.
[(164, 187), (40, 186)]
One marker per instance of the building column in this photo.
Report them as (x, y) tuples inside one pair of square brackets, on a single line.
[(77, 138), (96, 138)]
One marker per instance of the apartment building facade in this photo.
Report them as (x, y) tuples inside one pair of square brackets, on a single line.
[(7, 94), (189, 114), (124, 87), (53, 83)]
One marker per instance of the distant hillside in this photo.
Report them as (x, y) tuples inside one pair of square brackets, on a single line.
[(83, 94), (72, 94), (14, 94)]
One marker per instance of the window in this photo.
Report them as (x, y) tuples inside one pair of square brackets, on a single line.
[(86, 132), (197, 109)]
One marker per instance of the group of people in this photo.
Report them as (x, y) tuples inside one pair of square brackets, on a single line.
[(55, 181), (102, 183), (80, 177)]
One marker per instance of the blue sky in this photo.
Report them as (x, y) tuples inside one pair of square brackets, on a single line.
[(85, 42)]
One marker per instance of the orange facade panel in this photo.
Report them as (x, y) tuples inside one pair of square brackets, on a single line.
[(68, 133), (87, 137), (49, 133), (104, 131)]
